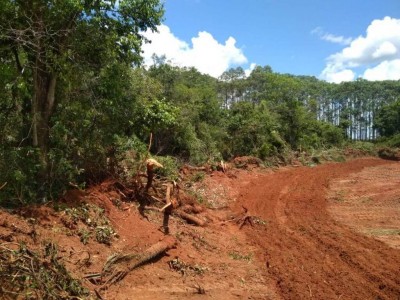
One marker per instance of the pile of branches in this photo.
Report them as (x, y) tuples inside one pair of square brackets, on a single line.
[(25, 274)]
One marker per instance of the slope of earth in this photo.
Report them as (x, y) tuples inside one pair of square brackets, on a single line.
[(306, 251), (268, 235)]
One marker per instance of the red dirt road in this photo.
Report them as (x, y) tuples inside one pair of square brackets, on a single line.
[(327, 232), (307, 253)]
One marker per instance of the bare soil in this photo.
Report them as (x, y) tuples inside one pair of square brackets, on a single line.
[(325, 232)]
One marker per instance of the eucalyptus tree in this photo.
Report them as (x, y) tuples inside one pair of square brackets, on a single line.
[(232, 86)]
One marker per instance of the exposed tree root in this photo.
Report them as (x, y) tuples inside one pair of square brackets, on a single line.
[(244, 219), (113, 272)]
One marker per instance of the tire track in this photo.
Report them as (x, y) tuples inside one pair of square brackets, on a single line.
[(308, 253)]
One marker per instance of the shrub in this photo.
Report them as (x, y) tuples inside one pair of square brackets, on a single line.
[(170, 167)]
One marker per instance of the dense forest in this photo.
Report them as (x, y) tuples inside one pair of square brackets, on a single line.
[(75, 101)]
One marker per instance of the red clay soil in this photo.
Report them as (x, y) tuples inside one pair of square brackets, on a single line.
[(307, 236), (309, 254)]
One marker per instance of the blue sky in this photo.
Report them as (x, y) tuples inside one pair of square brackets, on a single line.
[(334, 40)]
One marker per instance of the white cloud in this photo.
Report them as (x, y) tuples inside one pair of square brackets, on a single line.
[(387, 70), (339, 76), (385, 49), (329, 37), (377, 51), (206, 54), (250, 69)]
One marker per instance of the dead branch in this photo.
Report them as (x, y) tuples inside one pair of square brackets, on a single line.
[(192, 168), (189, 217), (192, 209), (4, 184), (167, 209), (165, 206)]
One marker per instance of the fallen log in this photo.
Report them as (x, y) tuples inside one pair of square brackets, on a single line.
[(189, 217), (113, 273)]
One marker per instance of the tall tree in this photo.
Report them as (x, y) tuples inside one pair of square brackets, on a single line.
[(42, 38), (388, 119)]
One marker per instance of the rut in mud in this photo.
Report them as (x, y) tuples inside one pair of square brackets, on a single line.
[(307, 253)]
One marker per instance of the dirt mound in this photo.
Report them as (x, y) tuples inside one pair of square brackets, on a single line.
[(268, 235)]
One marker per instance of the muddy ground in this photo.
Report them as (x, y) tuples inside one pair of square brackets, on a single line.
[(330, 231)]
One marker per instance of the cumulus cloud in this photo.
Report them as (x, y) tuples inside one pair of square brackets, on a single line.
[(205, 53), (387, 70), (377, 53)]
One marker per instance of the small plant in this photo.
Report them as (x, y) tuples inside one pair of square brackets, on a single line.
[(259, 221), (93, 217), (104, 234), (238, 256), (84, 236), (185, 268), (199, 176)]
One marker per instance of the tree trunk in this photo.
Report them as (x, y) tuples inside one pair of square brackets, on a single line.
[(44, 85)]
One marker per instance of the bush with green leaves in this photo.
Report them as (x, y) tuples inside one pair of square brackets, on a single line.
[(19, 167), (170, 169)]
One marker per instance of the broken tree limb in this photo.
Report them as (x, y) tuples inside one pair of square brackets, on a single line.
[(115, 274), (167, 209), (3, 185), (165, 206), (189, 217)]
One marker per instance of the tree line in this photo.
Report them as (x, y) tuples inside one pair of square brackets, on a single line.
[(76, 106)]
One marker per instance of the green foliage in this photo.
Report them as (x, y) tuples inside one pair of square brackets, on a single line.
[(394, 141), (252, 130), (104, 234), (169, 169), (91, 221), (238, 256), (18, 168), (107, 108), (319, 135), (67, 88), (387, 119), (363, 147), (127, 155)]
